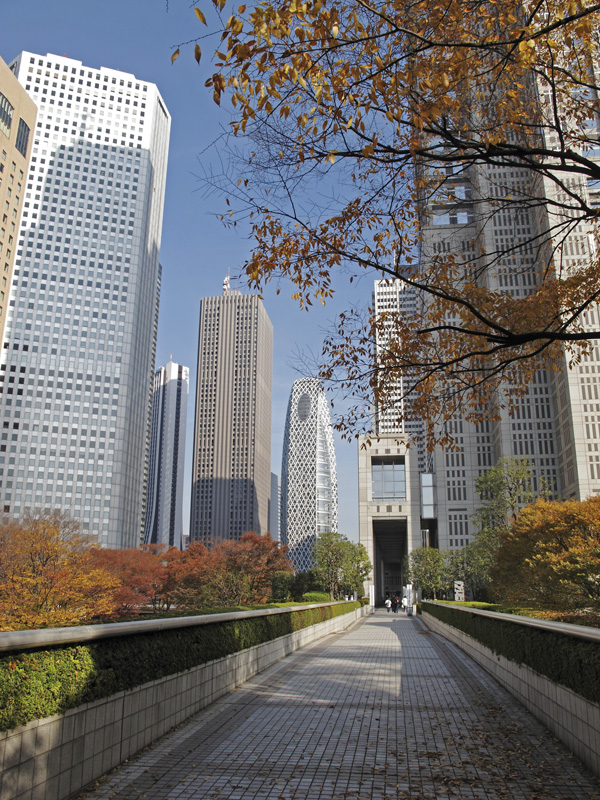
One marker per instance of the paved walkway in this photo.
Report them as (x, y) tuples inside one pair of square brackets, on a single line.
[(385, 711)]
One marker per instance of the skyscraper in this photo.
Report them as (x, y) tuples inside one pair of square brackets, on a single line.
[(78, 353), (17, 121), (396, 298), (555, 425), (167, 456), (274, 507), (309, 502), (231, 479)]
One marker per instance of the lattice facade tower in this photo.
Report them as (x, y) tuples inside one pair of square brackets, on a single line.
[(309, 502)]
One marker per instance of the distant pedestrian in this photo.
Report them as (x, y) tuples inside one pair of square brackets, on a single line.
[(404, 604), (388, 604), (397, 599), (394, 604)]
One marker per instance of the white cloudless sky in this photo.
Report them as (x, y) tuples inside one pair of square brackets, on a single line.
[(139, 36)]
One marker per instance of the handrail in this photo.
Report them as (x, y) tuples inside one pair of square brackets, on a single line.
[(47, 637), (578, 631)]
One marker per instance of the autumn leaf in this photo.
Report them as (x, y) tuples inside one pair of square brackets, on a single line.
[(447, 121)]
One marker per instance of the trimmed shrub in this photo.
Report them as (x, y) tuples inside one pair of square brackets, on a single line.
[(316, 597), (563, 659), (40, 683)]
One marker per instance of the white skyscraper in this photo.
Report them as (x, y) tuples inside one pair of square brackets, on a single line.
[(167, 456), (309, 502), (78, 353)]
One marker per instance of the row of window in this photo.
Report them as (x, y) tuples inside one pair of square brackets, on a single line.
[(23, 130)]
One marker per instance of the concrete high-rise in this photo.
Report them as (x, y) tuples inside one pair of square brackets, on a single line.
[(231, 479), (17, 121), (555, 424), (164, 505), (309, 502), (78, 353)]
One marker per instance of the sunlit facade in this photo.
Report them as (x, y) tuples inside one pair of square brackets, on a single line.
[(78, 353), (231, 471), (17, 123), (164, 507), (309, 502)]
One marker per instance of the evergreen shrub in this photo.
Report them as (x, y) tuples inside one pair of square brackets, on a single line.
[(40, 683), (316, 597), (563, 659)]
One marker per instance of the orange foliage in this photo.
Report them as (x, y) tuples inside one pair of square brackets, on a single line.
[(231, 573), (252, 561), (48, 577), (550, 556), (51, 576), (141, 576), (189, 574)]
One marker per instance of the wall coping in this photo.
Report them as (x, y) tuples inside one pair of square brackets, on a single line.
[(46, 637), (578, 631)]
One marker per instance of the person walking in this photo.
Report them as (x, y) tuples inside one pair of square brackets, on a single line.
[(404, 604), (388, 604), (394, 604)]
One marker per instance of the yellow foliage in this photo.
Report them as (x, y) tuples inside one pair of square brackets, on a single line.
[(406, 103), (550, 556), (47, 576)]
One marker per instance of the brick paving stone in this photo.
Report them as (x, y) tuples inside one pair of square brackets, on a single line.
[(385, 711)]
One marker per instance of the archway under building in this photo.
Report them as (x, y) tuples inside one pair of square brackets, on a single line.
[(390, 546)]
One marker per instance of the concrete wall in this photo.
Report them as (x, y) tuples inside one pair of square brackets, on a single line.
[(51, 759), (571, 718)]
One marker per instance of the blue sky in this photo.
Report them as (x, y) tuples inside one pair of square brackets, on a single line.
[(138, 36)]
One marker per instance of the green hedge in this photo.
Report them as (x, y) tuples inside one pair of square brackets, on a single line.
[(316, 597), (40, 683), (567, 660)]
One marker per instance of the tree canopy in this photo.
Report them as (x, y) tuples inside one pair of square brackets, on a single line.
[(427, 570), (504, 489), (550, 556), (47, 574), (341, 565), (52, 575), (366, 124)]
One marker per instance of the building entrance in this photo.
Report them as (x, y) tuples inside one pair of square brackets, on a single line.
[(390, 548)]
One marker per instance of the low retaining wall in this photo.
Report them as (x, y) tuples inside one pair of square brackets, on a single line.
[(52, 758), (571, 718)]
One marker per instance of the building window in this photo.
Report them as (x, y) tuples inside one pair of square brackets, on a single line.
[(6, 112), (388, 477), (22, 139)]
